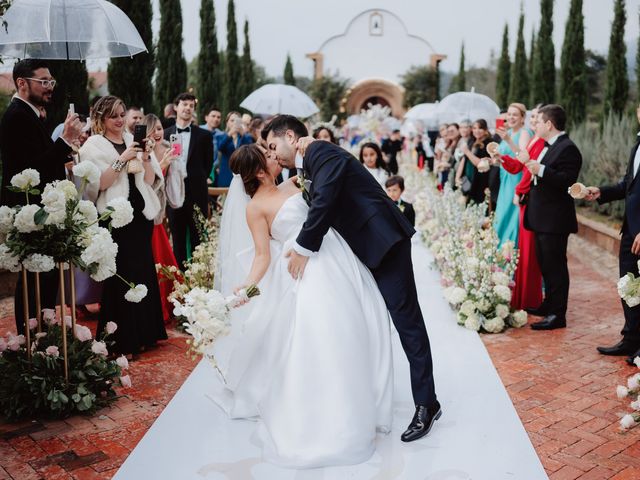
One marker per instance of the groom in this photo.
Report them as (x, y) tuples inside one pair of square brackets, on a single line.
[(343, 195)]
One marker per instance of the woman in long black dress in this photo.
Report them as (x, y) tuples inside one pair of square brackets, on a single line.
[(140, 325)]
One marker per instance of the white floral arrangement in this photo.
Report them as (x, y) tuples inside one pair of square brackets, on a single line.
[(477, 275), (629, 289), (64, 229), (632, 391)]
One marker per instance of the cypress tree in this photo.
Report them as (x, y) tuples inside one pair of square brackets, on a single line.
[(289, 79), (232, 63), (532, 53), (544, 69), (638, 66), (72, 78), (617, 85), (208, 84), (248, 75), (573, 74), (171, 67), (519, 88), (130, 78), (503, 75), (461, 81)]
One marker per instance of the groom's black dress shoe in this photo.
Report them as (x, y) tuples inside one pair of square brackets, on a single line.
[(623, 347), (550, 322), (422, 422), (537, 312), (632, 357)]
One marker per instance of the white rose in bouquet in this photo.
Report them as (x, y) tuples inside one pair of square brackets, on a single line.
[(518, 319), (494, 325), (7, 215), (502, 292), (9, 261), (122, 212), (472, 322), (87, 171), (28, 177), (24, 219), (502, 311), (39, 263)]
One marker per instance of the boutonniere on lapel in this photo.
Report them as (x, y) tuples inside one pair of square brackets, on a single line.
[(401, 207), (303, 185)]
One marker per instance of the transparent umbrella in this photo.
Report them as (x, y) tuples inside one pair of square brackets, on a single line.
[(275, 98), (68, 30), (427, 113), (467, 106)]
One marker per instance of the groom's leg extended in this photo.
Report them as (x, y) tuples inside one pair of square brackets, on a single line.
[(397, 284)]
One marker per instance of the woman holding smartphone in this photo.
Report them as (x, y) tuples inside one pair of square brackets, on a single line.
[(231, 139), (140, 325)]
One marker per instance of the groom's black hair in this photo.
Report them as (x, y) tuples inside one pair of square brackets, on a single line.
[(281, 123)]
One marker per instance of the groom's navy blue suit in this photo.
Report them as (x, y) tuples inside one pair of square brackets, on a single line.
[(345, 196)]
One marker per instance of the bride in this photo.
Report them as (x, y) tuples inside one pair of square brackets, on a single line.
[(310, 359)]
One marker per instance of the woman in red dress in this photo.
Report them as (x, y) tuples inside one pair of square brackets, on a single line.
[(162, 251), (527, 292)]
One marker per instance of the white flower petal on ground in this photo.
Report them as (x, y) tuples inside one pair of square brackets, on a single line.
[(136, 294), (122, 212)]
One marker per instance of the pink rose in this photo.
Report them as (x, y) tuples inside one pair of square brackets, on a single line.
[(83, 333), (125, 381), (49, 315), (122, 362), (111, 327), (99, 348), (33, 323), (52, 351), (15, 342)]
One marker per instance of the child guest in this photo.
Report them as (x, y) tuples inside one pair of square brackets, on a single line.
[(395, 187)]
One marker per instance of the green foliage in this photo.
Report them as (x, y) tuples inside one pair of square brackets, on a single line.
[(519, 87), (420, 85), (605, 153), (595, 67), (532, 53), (121, 71), (289, 78), (37, 388), (460, 83), (171, 67), (573, 70), (72, 78), (208, 75), (617, 84), (638, 67), (503, 74), (543, 85), (248, 84), (328, 93), (231, 100)]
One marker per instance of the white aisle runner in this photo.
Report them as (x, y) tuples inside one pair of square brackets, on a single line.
[(479, 435)]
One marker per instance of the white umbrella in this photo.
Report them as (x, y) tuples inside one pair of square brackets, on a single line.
[(68, 30), (427, 113), (467, 106), (275, 98)]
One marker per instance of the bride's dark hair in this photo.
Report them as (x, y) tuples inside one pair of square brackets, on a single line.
[(247, 161)]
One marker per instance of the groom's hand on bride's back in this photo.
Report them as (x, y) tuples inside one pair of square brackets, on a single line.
[(297, 263), (303, 143)]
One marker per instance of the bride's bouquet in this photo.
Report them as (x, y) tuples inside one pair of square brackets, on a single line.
[(208, 316), (629, 289)]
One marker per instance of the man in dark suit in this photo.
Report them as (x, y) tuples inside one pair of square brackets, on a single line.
[(343, 195), (197, 157), (395, 187), (25, 143), (628, 189), (551, 213)]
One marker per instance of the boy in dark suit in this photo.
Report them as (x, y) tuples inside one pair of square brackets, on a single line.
[(395, 187)]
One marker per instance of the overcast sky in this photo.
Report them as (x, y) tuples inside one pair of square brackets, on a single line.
[(301, 26)]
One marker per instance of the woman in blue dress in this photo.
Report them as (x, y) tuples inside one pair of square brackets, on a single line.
[(228, 141), (514, 139)]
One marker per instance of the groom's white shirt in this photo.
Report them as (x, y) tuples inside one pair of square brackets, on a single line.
[(298, 248)]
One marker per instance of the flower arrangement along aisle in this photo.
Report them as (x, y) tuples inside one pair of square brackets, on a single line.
[(59, 370), (632, 391), (477, 275)]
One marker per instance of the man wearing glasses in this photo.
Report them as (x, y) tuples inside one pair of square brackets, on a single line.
[(25, 143)]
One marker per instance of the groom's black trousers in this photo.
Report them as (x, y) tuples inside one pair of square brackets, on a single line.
[(397, 284)]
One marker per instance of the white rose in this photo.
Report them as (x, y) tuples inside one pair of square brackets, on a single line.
[(500, 278), (87, 171), (53, 199), (83, 333), (472, 323), (24, 221), (52, 351), (633, 382), (518, 319), (136, 294), (468, 307), (7, 215), (622, 392), (99, 348), (627, 422), (502, 311), (122, 212), (636, 361), (55, 217), (484, 305), (111, 327), (39, 263), (635, 405), (472, 262), (495, 325), (125, 381), (28, 177), (9, 261), (458, 295), (503, 292), (122, 362), (633, 301), (67, 187), (88, 210)]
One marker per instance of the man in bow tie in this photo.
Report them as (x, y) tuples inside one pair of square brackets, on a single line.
[(551, 214), (197, 158)]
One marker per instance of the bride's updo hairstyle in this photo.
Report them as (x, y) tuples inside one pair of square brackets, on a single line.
[(247, 161)]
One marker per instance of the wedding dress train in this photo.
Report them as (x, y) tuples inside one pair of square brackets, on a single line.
[(310, 360)]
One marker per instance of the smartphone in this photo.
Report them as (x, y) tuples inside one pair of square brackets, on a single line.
[(140, 134), (72, 108), (499, 122), (176, 146)]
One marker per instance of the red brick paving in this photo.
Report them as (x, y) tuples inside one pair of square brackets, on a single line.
[(563, 390)]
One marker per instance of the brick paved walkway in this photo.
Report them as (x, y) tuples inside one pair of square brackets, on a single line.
[(562, 389)]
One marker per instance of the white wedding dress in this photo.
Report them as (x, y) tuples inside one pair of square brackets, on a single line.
[(310, 360)]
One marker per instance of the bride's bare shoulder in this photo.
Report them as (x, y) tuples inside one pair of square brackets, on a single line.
[(289, 186)]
